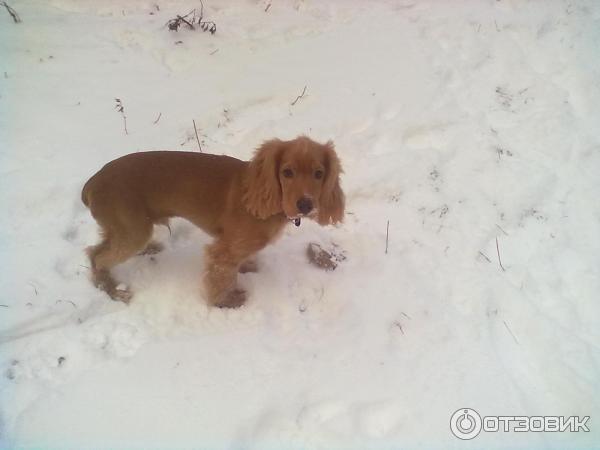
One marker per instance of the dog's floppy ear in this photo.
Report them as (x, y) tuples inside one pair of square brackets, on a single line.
[(262, 191), (332, 201)]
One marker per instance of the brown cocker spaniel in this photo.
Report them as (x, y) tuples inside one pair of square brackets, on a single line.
[(243, 204)]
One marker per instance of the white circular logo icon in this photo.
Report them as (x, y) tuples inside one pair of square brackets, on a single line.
[(465, 423)]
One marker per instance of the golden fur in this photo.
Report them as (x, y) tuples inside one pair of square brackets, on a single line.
[(243, 204)]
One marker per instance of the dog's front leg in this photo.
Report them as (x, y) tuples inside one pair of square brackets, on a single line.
[(223, 259)]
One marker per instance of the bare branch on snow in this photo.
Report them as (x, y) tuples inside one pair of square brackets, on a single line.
[(511, 333), (197, 139), (483, 254), (120, 108), (387, 236), (300, 96), (193, 21), (12, 12), (499, 260)]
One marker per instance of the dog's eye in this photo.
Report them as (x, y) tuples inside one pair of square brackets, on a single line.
[(319, 174), (288, 173)]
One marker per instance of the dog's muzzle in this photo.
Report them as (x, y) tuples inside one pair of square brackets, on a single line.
[(304, 205)]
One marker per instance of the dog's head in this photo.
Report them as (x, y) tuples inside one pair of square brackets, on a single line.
[(299, 178)]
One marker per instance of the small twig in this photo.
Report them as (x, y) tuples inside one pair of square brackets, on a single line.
[(186, 22), (158, 118), (300, 96), (209, 26), (499, 260), (67, 301), (197, 138), (267, 8), (406, 315), (387, 236), (4, 306), (500, 228), (120, 108), (174, 24), (213, 52), (34, 288), (483, 254), (497, 28), (12, 12), (511, 333), (183, 18), (397, 324)]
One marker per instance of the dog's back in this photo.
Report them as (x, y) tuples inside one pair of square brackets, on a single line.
[(163, 184)]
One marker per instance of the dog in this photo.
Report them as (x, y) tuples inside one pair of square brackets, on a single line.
[(244, 205)]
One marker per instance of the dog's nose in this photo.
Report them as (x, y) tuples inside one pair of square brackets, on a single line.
[(305, 205)]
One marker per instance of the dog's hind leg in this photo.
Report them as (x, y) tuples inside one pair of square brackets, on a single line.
[(118, 245), (153, 247)]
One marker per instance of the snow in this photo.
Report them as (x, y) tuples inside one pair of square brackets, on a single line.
[(471, 126)]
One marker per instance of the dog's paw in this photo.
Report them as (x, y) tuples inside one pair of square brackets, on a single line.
[(232, 299)]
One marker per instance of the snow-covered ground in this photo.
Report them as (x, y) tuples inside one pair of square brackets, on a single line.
[(473, 127)]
